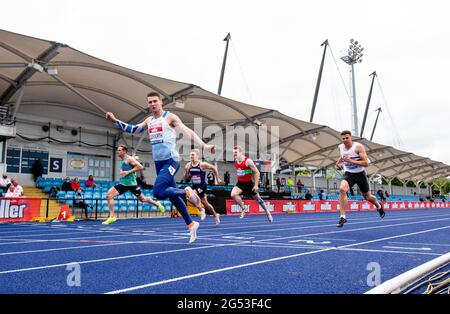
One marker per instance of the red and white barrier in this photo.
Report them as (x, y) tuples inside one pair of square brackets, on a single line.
[(302, 206)]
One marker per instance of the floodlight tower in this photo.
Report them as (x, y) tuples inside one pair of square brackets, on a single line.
[(353, 55)]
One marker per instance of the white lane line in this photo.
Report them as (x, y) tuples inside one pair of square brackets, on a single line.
[(95, 246), (31, 241), (48, 234), (366, 221), (114, 258), (310, 241), (419, 243), (357, 229), (408, 248), (263, 262), (388, 251)]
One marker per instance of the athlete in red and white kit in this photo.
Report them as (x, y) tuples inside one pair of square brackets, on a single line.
[(247, 181)]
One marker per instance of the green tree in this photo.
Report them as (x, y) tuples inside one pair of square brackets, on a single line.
[(443, 184)]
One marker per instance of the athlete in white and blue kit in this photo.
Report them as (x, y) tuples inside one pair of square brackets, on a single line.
[(353, 159), (162, 127)]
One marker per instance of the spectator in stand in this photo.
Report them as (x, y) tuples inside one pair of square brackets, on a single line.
[(75, 184), (381, 195), (90, 183), (226, 178), (80, 202), (322, 195), (37, 169), (5, 183), (278, 184), (386, 194), (67, 185), (308, 195), (300, 185), (291, 185), (15, 190)]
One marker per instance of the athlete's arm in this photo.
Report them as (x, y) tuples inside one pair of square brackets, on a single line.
[(338, 165), (136, 166), (186, 171), (126, 127), (208, 166), (176, 123), (249, 163)]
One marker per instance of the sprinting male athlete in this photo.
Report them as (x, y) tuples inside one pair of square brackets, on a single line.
[(247, 181), (195, 170), (128, 168), (353, 160), (162, 127)]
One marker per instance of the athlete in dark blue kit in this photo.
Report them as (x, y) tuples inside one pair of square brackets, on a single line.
[(162, 127)]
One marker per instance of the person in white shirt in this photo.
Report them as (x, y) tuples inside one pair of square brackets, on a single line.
[(5, 182), (15, 190), (353, 160)]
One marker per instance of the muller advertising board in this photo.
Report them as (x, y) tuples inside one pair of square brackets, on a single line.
[(19, 209)]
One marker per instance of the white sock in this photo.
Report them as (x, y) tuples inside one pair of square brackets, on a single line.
[(343, 216)]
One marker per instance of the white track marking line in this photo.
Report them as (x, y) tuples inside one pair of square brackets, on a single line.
[(96, 246), (388, 251), (305, 224), (408, 248), (287, 246), (113, 258), (365, 221), (262, 262), (357, 229), (31, 241), (420, 243)]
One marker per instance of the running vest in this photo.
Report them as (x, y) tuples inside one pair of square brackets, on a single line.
[(163, 139), (197, 174), (349, 167), (129, 179), (244, 173)]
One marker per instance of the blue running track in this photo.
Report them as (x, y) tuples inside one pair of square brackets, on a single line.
[(296, 254)]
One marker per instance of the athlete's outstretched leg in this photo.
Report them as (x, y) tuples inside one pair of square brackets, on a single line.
[(378, 205), (236, 195), (261, 203), (343, 201)]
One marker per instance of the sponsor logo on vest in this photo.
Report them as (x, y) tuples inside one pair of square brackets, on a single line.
[(237, 209), (325, 206), (289, 207), (11, 211), (269, 206), (309, 206)]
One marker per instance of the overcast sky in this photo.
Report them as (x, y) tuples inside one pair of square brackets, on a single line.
[(275, 53)]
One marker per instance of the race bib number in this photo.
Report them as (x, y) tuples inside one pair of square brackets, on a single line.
[(172, 170), (156, 133), (196, 179)]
